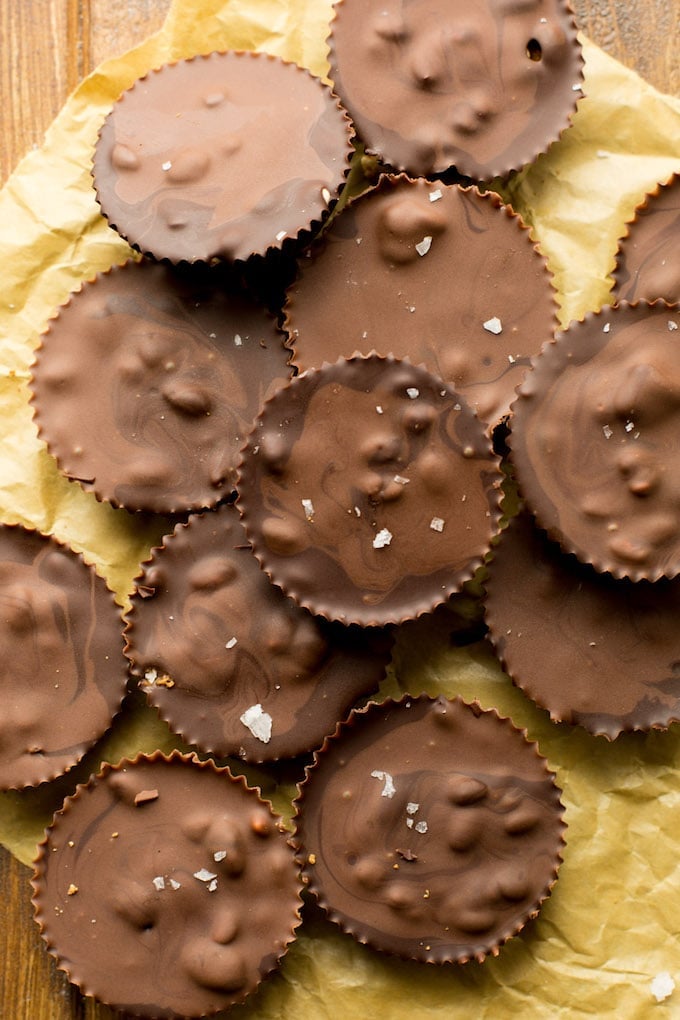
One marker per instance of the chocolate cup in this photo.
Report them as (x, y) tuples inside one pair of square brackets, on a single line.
[(483, 87), (429, 829), (592, 650), (230, 663), (593, 440), (427, 272), (181, 870), (64, 675), (147, 380), (648, 256), (224, 155), (368, 490)]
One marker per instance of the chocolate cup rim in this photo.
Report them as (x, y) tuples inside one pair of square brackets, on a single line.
[(338, 917), (496, 170), (620, 253), (174, 758), (288, 243), (599, 563)]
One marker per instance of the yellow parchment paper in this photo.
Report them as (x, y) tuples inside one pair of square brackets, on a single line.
[(611, 924)]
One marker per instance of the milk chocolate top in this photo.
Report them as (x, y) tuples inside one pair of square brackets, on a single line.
[(443, 275), (62, 674), (648, 260), (594, 440), (430, 829), (368, 491), (224, 155), (592, 650), (481, 86), (165, 888), (147, 381), (232, 664)]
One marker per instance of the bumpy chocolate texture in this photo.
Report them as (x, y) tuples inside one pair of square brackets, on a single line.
[(430, 829), (63, 674), (427, 272), (592, 650), (648, 260), (595, 440), (165, 888), (368, 491), (430, 84), (147, 382), (224, 155), (233, 665)]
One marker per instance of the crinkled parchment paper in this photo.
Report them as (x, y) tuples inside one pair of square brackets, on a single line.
[(611, 923)]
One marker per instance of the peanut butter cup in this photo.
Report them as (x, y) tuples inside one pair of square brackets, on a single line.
[(594, 440), (430, 829), (147, 381), (230, 663), (63, 673), (221, 156), (368, 490), (432, 84), (166, 888), (648, 259), (429, 272), (593, 650)]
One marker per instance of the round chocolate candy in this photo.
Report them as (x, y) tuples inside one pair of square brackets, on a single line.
[(648, 259)]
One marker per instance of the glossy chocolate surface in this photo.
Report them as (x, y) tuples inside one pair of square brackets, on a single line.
[(592, 650), (594, 440), (147, 382), (165, 888), (430, 829), (368, 491), (648, 261), (481, 86), (63, 674), (221, 156), (430, 272), (233, 665)]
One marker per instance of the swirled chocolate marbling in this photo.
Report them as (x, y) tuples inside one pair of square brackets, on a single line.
[(430, 829), (594, 440), (147, 381), (165, 888), (221, 156), (429, 272), (431, 84), (648, 259), (368, 490), (230, 663), (592, 650), (63, 674)]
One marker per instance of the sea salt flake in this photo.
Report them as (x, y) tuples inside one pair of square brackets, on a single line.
[(238, 340), (175, 884), (672, 325), (412, 807), (357, 511), (577, 88), (421, 827), (607, 326), (212, 886), (204, 875), (258, 722), (401, 480), (437, 524), (424, 246), (389, 788), (219, 855), (493, 325), (159, 882), (281, 234), (231, 642), (150, 676), (379, 409), (607, 432), (629, 426), (383, 538), (411, 308), (412, 392), (326, 195), (436, 195), (663, 986), (167, 165), (409, 823), (308, 508)]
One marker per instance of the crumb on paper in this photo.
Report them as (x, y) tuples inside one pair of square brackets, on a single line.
[(389, 788), (145, 797), (493, 325), (663, 986), (258, 722), (383, 538)]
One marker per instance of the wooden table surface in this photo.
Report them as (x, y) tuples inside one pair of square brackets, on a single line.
[(47, 47)]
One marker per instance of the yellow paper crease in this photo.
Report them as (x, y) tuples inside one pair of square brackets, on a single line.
[(611, 923)]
